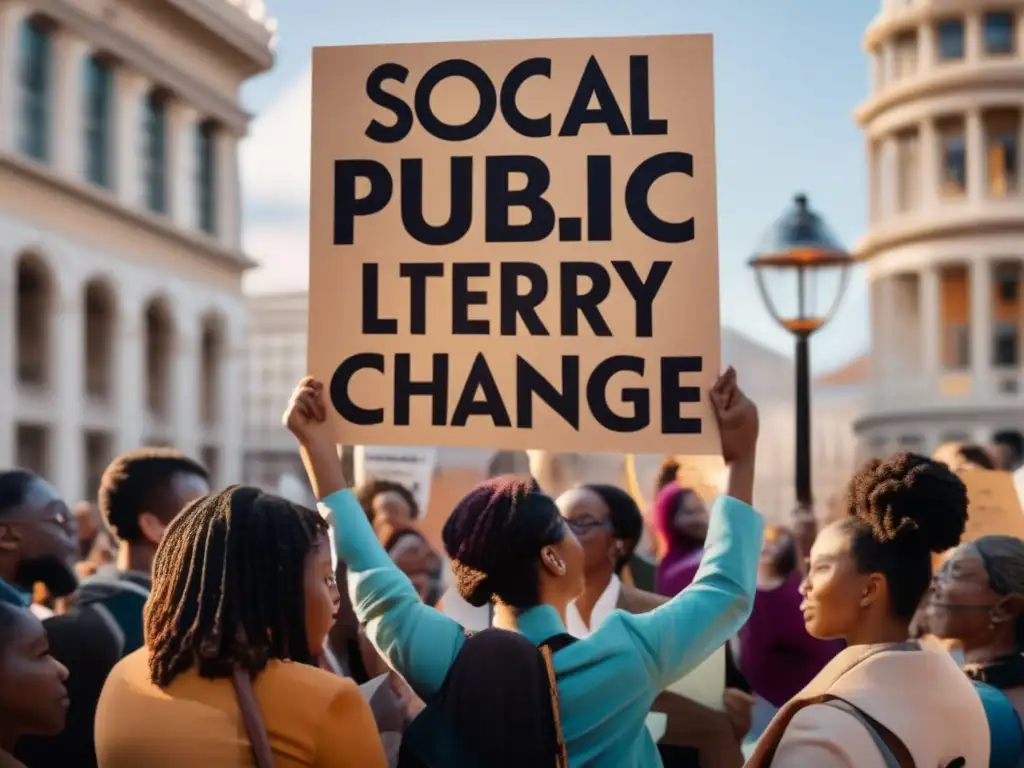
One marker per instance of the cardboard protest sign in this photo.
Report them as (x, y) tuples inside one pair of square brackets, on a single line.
[(514, 244), (993, 504)]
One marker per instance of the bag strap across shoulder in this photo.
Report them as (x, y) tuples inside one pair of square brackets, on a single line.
[(253, 720), (548, 649), (816, 692), (894, 753)]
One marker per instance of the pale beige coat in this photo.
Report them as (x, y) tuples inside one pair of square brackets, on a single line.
[(921, 696)]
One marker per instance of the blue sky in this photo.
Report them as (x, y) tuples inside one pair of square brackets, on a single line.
[(788, 74)]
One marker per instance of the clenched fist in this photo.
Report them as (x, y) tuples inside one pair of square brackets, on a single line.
[(737, 418)]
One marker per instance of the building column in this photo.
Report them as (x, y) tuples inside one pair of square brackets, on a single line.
[(888, 62), (925, 47), (130, 385), (70, 53), (929, 159), (12, 16), (1019, 29), (8, 357), (131, 89), (232, 414), (930, 320), (181, 162), (888, 177), (981, 323), (883, 318), (185, 377), (229, 195), (67, 447), (974, 140), (972, 36)]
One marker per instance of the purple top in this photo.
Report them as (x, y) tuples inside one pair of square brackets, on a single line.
[(678, 566), (777, 656)]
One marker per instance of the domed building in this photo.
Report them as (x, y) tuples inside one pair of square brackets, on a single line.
[(945, 239)]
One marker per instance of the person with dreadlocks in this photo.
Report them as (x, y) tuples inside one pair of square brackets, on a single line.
[(550, 701), (884, 700), (977, 600), (243, 597)]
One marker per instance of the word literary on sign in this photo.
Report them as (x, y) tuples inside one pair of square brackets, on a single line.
[(542, 271)]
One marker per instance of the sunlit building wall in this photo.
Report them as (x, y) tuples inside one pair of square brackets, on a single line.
[(945, 243), (122, 321)]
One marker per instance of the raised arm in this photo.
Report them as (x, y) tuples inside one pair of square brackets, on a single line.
[(679, 635), (418, 642)]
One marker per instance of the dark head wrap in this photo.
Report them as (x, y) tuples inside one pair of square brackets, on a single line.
[(494, 536)]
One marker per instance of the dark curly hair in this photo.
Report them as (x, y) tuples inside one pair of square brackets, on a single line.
[(374, 487), (901, 511), (229, 586), (494, 537), (132, 481)]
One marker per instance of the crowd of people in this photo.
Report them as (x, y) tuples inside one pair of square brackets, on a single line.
[(173, 624)]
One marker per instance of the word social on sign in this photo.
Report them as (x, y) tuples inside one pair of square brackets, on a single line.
[(514, 244)]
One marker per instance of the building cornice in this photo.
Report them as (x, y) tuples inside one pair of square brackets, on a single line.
[(889, 23), (154, 65), (194, 242), (932, 416), (249, 35), (971, 222), (951, 79)]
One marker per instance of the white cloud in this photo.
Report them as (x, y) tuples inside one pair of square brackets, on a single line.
[(283, 254), (275, 156), (275, 187)]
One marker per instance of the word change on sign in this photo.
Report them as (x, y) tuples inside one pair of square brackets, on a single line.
[(514, 244)]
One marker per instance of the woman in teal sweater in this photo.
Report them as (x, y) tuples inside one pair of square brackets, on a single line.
[(607, 682)]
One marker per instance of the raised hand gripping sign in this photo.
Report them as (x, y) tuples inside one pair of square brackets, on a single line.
[(514, 244)]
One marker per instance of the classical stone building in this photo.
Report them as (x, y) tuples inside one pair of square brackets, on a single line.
[(945, 241), (122, 321)]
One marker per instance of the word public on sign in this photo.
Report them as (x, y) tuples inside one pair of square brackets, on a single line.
[(514, 244)]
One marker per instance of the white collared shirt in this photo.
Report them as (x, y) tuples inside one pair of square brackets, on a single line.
[(605, 604)]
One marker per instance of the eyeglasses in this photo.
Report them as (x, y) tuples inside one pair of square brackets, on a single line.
[(588, 524)]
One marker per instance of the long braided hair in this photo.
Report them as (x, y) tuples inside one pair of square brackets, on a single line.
[(229, 586)]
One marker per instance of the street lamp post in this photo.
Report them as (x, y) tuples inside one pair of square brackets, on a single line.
[(800, 248)]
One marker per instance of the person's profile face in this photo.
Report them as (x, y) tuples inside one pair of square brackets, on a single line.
[(33, 696), (832, 588), (571, 553), (321, 594), (961, 599), (41, 535), (588, 518), (691, 518), (391, 507)]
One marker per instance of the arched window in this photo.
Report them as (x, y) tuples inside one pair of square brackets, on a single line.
[(154, 158), (159, 351), (35, 78), (211, 348), (99, 114), (35, 304), (100, 321)]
